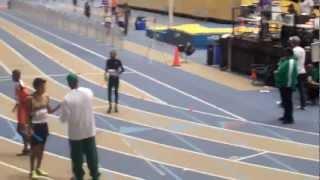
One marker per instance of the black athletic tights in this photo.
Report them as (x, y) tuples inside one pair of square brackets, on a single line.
[(113, 83)]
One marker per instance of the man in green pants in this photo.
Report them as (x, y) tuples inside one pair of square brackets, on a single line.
[(286, 77), (77, 111)]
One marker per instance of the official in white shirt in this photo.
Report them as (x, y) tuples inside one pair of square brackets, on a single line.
[(77, 111), (300, 54)]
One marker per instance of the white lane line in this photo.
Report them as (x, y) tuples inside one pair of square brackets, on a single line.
[(148, 160), (152, 160), (174, 175), (141, 156), (159, 162), (123, 138), (82, 75), (14, 167), (21, 169), (59, 74), (218, 141), (68, 159), (202, 172), (207, 173), (175, 132), (247, 146), (287, 166), (192, 123), (251, 156), (103, 57), (133, 70)]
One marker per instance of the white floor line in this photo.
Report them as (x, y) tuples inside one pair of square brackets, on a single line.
[(197, 125), (68, 159), (252, 156), (103, 57), (212, 140), (170, 164), (59, 75), (141, 156), (21, 170), (133, 70), (14, 167), (287, 166)]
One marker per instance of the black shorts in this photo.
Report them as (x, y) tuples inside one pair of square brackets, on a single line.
[(40, 134)]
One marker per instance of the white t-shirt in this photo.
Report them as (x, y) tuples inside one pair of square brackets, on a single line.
[(300, 53), (76, 110), (306, 6)]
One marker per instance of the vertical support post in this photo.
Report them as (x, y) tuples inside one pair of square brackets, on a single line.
[(171, 12)]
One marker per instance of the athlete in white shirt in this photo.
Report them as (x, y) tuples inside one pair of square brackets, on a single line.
[(77, 111)]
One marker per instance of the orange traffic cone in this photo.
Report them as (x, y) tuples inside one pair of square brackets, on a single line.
[(176, 58)]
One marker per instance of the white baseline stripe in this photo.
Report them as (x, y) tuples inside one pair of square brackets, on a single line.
[(103, 57), (139, 155), (14, 167), (133, 70), (68, 159), (251, 156), (175, 132)]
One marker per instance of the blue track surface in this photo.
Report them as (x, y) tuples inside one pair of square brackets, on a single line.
[(253, 106)]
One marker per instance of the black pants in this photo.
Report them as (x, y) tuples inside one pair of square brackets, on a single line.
[(301, 88), (286, 99), (79, 149), (113, 83)]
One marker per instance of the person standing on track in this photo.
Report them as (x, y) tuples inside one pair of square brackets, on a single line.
[(38, 126), (113, 70), (286, 80), (77, 111), (300, 55), (21, 96), (127, 13)]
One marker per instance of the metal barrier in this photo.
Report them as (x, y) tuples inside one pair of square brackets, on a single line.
[(69, 21)]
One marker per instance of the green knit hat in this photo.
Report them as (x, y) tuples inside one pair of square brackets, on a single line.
[(72, 78)]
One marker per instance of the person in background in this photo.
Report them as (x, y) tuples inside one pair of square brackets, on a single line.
[(313, 83), (113, 70), (9, 4), (266, 6), (300, 55), (292, 10), (306, 7), (87, 9), (127, 13), (21, 108), (77, 111), (39, 109), (286, 80), (114, 5), (316, 11)]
